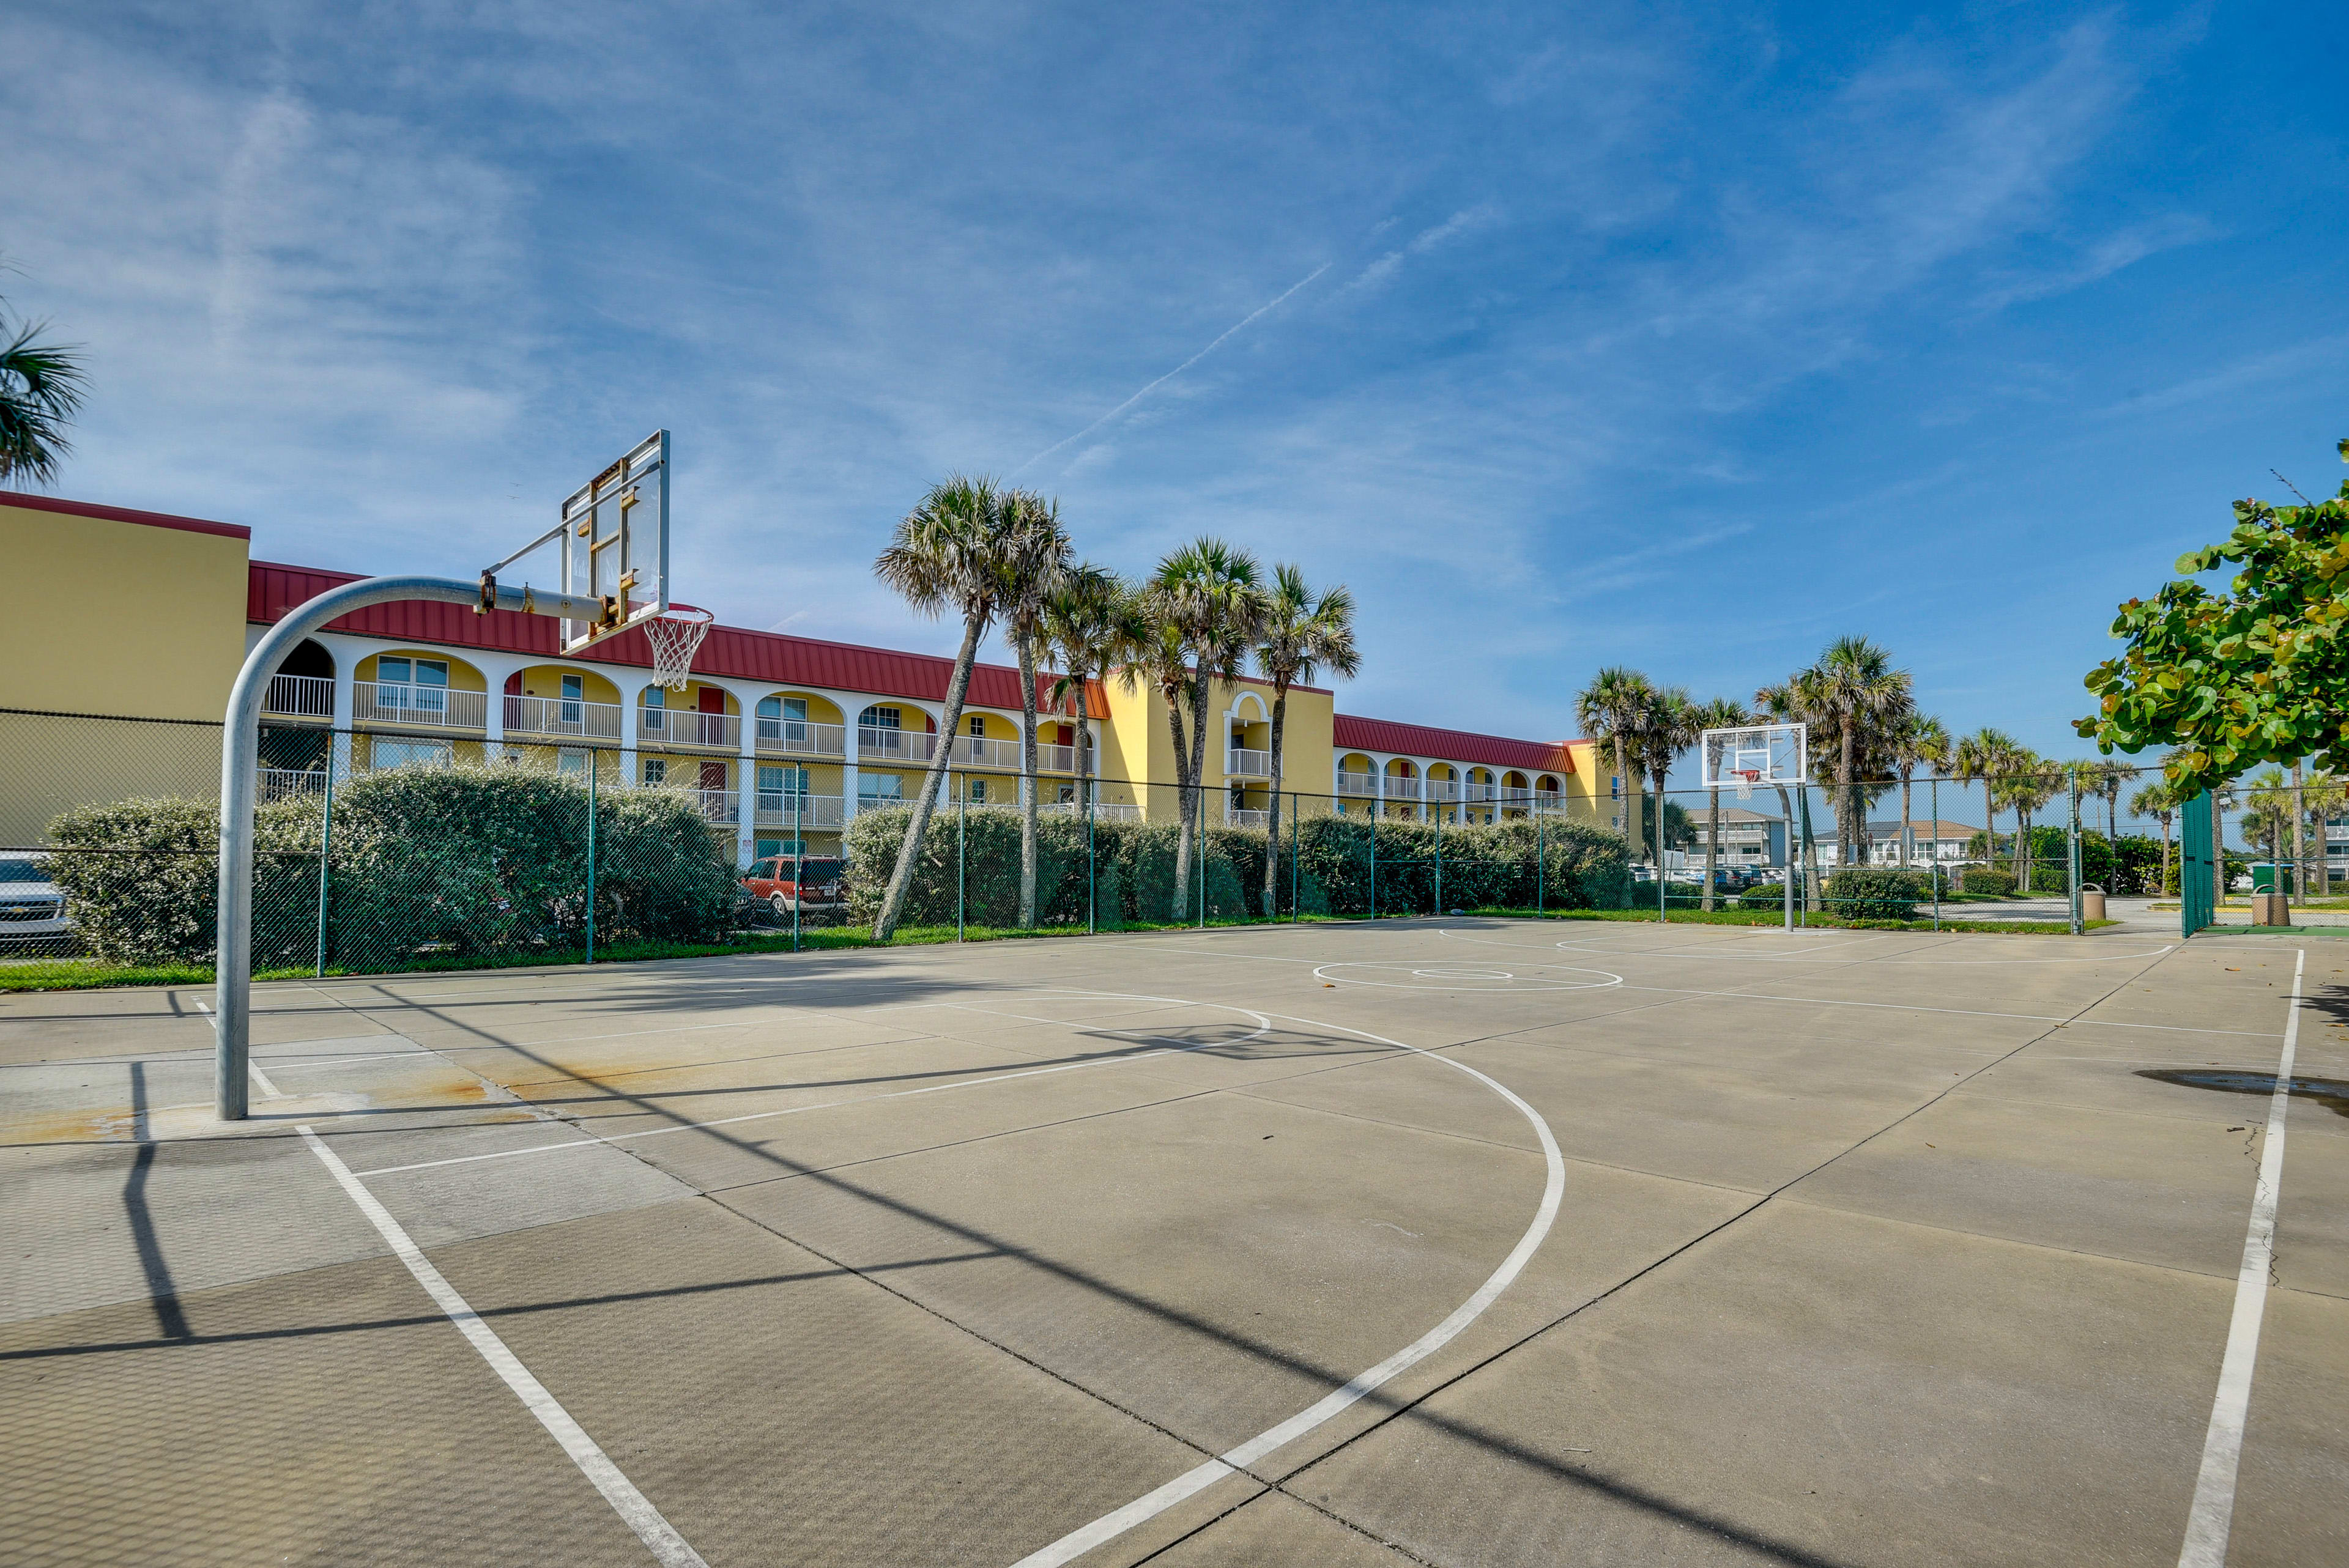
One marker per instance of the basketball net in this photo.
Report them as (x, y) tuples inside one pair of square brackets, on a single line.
[(1746, 779), (674, 638)]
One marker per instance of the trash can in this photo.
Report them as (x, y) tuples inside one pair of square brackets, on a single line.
[(2271, 908), (2092, 902)]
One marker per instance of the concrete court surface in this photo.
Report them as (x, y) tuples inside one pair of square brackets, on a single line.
[(1854, 1248)]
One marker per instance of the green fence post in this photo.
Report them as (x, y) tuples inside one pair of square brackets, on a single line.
[(1439, 866), (962, 840), (1375, 808), (1541, 871), (799, 861), (1200, 838), (1093, 916), (1295, 887), (325, 842), (2074, 849), (595, 766)]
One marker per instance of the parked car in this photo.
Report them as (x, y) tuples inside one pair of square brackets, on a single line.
[(32, 907), (773, 878)]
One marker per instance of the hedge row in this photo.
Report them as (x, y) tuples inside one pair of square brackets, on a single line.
[(1132, 868), (444, 862)]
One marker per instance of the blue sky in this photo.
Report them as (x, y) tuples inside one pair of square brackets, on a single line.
[(1687, 337)]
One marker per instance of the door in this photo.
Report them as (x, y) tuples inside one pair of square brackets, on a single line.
[(710, 702)]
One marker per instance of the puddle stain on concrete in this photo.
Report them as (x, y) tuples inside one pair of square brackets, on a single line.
[(2332, 1093)]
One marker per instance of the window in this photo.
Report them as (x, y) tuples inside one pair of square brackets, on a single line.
[(572, 761), (885, 787), (412, 754), (979, 792), (656, 771), (780, 781), (782, 719), (419, 683), (978, 726), (656, 712), (1068, 794), (878, 718), (574, 688)]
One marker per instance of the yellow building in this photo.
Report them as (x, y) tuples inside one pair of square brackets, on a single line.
[(779, 740)]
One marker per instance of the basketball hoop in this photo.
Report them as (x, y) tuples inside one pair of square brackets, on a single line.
[(674, 638), (1746, 779)]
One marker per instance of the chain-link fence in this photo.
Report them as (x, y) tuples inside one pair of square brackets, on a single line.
[(382, 849)]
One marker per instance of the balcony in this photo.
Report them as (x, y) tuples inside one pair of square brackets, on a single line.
[(658, 727), (299, 696), (1104, 810), (1246, 817), (278, 783), (791, 808), (1239, 762), (723, 808), (976, 751), (432, 707), (1362, 784), (1441, 792), (895, 745), (798, 738), (1479, 794), (1056, 759), (562, 716)]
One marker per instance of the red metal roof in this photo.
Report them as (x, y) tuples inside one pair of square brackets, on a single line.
[(123, 514), (728, 653), (1351, 734)]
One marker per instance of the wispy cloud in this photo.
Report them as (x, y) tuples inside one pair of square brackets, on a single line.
[(1221, 338), (1382, 270), (2123, 248)]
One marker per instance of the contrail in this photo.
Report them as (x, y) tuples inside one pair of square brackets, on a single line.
[(1170, 375)]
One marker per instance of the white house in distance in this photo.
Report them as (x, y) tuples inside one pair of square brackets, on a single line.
[(1933, 840)]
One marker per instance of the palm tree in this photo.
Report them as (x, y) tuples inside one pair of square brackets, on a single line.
[(2323, 796), (2270, 810), (1088, 625), (1034, 563), (41, 387), (1783, 702), (1918, 741), (1985, 758), (2156, 801), (1852, 699), (2027, 787), (2105, 777), (948, 551), (1302, 633), (1611, 707), (1721, 713), (1209, 601), (1671, 725)]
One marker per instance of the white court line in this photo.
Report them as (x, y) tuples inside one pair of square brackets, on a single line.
[(2212, 1515), (250, 1065), (1077, 1542), (630, 1504), (1692, 951), (593, 1139)]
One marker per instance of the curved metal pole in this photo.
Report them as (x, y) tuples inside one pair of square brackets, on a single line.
[(239, 756)]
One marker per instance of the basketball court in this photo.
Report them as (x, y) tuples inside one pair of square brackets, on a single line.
[(1457, 1241)]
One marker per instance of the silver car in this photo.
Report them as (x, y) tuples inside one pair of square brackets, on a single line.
[(32, 907)]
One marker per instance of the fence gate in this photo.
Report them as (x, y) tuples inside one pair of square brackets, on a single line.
[(2198, 880)]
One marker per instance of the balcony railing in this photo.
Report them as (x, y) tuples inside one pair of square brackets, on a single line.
[(978, 751), (720, 805), (398, 702), (1479, 794), (1056, 759), (1246, 817), (1239, 762), (1442, 791), (792, 808), (276, 783), (1104, 810), (798, 738), (1364, 784), (895, 745), (300, 696), (562, 716), (671, 726)]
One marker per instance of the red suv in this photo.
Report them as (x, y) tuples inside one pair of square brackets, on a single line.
[(773, 879)]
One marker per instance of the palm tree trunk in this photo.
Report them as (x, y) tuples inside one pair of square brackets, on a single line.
[(2299, 834), (1626, 791), (1845, 766), (1712, 844), (900, 879), (1028, 783), (1199, 773), (1182, 802), (1907, 849), (1272, 815)]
